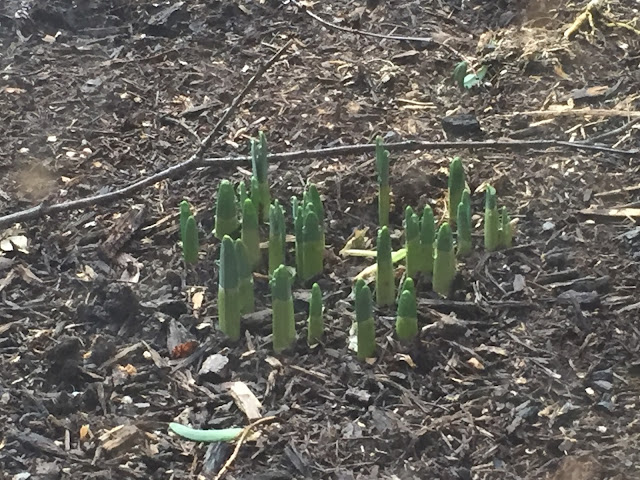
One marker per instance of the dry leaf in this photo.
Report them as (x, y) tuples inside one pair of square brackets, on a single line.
[(85, 431), (475, 363), (405, 358)]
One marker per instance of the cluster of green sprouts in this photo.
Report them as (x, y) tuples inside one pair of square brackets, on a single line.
[(430, 252)]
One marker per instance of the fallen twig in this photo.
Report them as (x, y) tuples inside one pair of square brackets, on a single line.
[(239, 443), (427, 40), (615, 131), (194, 161)]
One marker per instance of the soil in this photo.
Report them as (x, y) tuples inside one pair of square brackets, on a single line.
[(530, 371)]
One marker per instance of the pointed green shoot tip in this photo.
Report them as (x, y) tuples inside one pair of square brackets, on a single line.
[(490, 198), (316, 323), (408, 285), (456, 187), (226, 215), (445, 238), (228, 264), (407, 318), (281, 283), (382, 162), (185, 213), (190, 244), (364, 303)]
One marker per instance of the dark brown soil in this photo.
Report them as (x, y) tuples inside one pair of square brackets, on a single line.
[(531, 371)]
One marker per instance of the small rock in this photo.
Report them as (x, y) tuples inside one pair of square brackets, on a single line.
[(215, 368)]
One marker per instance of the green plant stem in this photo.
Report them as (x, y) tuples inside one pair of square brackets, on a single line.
[(384, 191), (444, 266), (226, 214), (190, 244), (427, 239), (456, 187), (276, 237), (251, 234), (315, 322), (412, 243), (491, 221), (228, 293), (245, 279), (312, 246), (407, 319), (385, 284), (365, 323), (464, 227), (283, 322)]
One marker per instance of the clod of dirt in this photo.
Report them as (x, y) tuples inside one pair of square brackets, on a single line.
[(65, 360), (215, 369), (102, 349), (461, 125), (115, 304)]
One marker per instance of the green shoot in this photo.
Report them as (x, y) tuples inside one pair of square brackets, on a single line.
[(298, 227), (412, 242), (283, 322), (365, 323), (260, 167), (407, 318), (185, 213), (250, 233), (190, 244), (316, 322), (444, 264), (506, 231), (242, 194), (456, 187), (491, 221), (427, 239), (228, 292), (464, 225), (226, 214), (276, 237), (384, 192), (312, 197), (385, 284), (245, 279), (408, 285), (312, 246)]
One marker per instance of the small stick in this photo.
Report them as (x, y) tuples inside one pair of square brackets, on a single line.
[(193, 162), (243, 437), (358, 149)]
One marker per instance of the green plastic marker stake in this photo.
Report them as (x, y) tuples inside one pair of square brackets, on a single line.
[(407, 319), (366, 325), (384, 192), (491, 220), (427, 239), (456, 187), (316, 322), (245, 279), (385, 283), (226, 214), (197, 435), (444, 266), (228, 291), (283, 322)]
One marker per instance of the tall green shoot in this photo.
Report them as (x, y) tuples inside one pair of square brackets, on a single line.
[(228, 290), (464, 225), (456, 187), (245, 279), (365, 323), (190, 244), (283, 321), (412, 242), (276, 236), (315, 321), (384, 190), (444, 264), (491, 220), (260, 167), (226, 214), (427, 240), (250, 233), (385, 283)]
